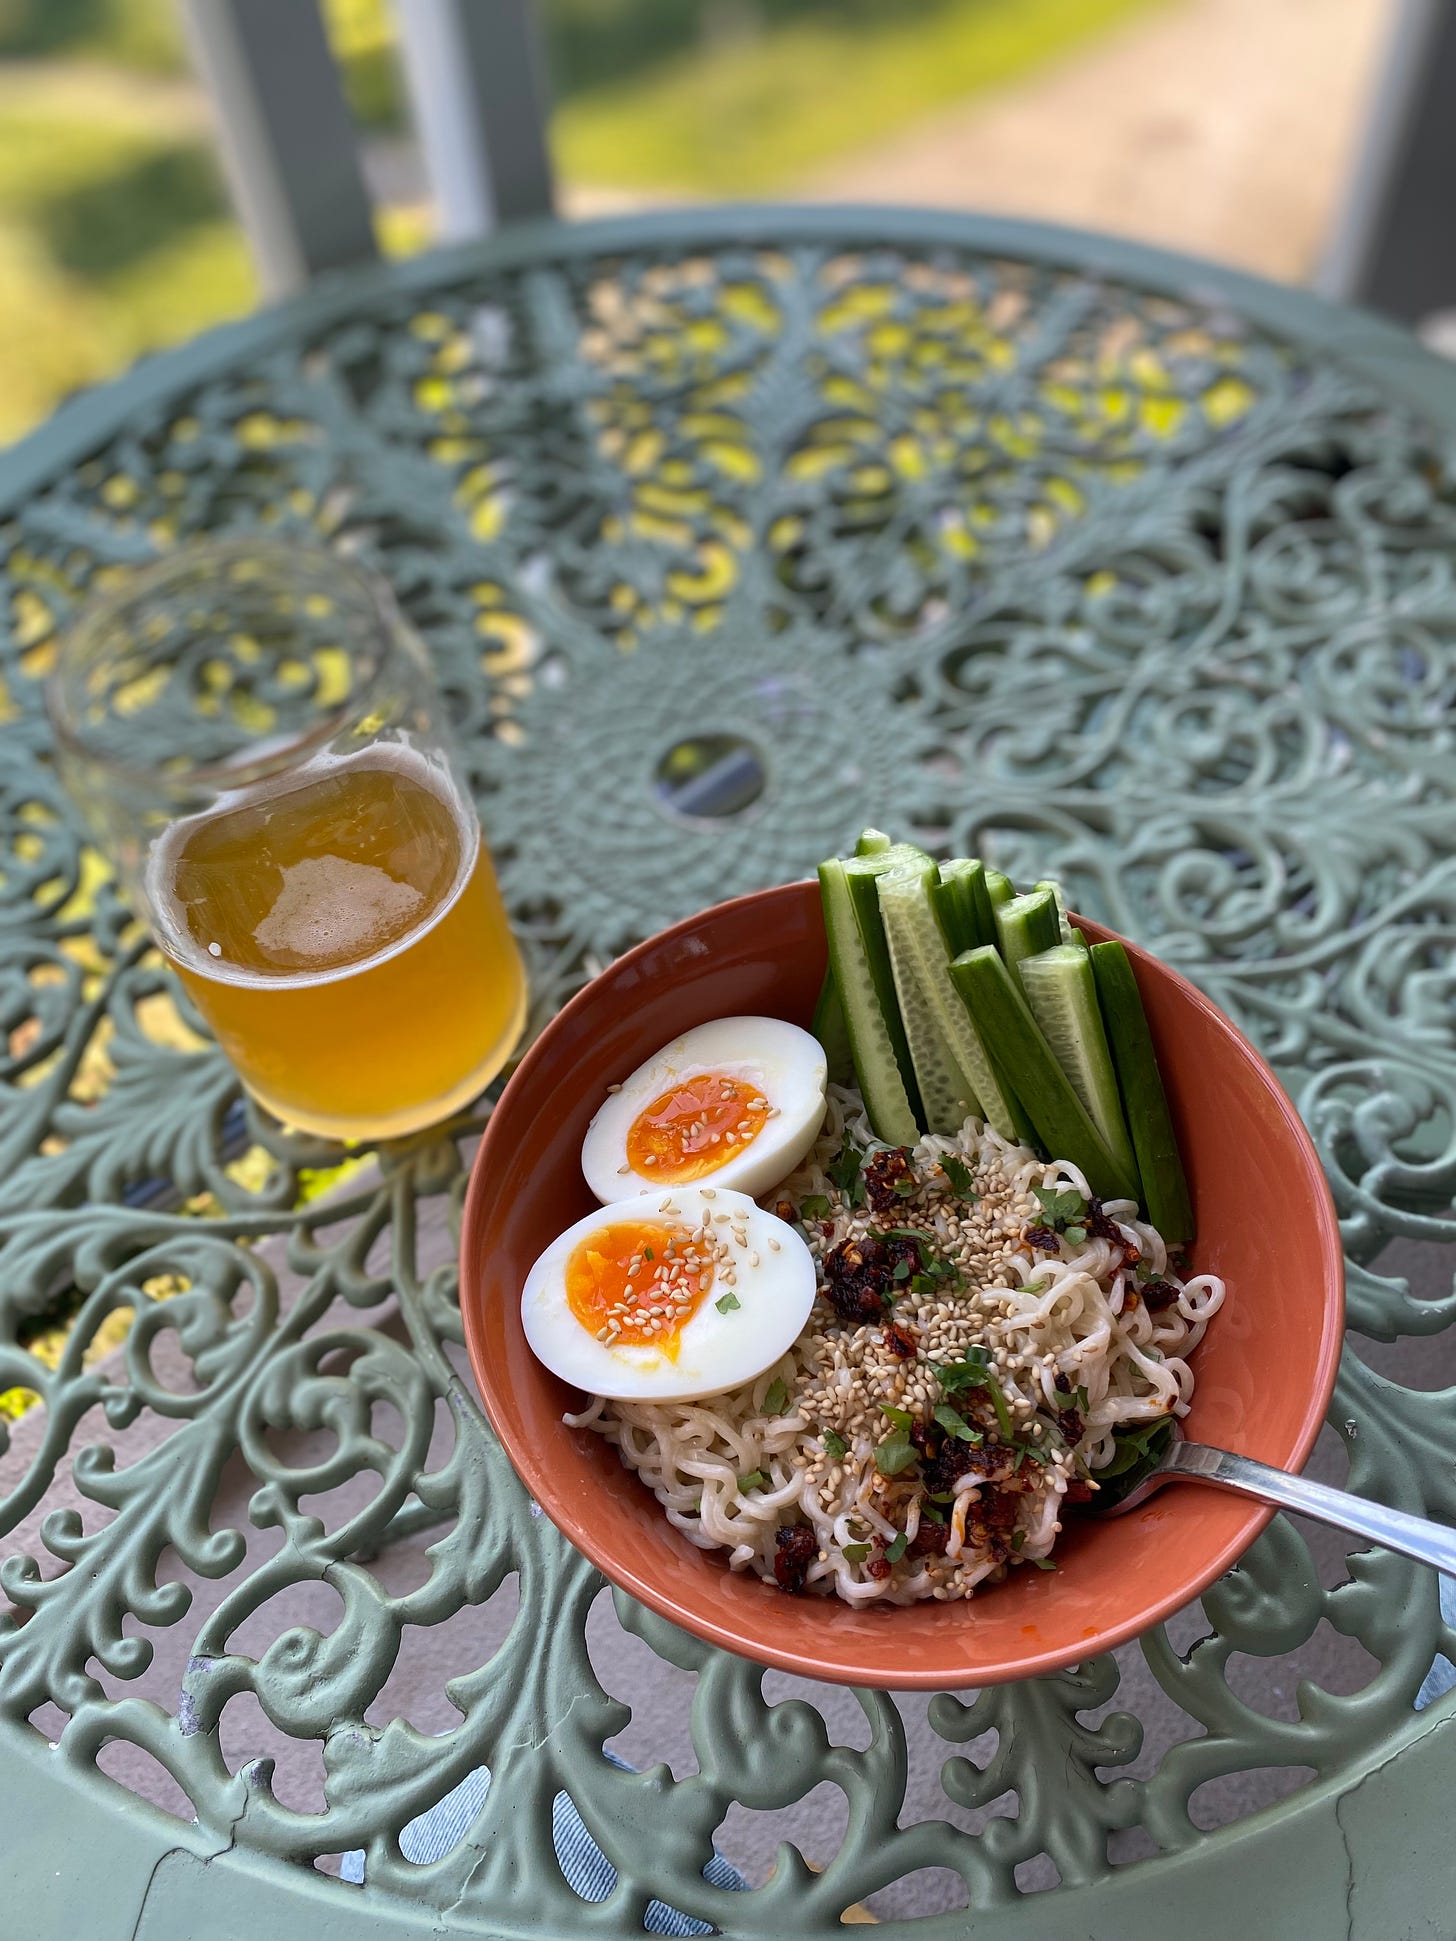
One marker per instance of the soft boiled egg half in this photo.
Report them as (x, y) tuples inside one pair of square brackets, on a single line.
[(736, 1103), (665, 1301)]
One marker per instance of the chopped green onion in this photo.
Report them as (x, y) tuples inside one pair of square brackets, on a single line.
[(776, 1401), (855, 1553), (755, 1479), (726, 1303)]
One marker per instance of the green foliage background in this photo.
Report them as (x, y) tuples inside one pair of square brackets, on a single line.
[(115, 233)]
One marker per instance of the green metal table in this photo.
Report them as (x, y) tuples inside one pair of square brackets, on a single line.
[(1095, 561)]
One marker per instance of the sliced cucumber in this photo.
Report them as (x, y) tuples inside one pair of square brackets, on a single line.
[(918, 957), (1063, 1124), (1069, 935), (862, 873), (1145, 1103), (831, 1029), (999, 888), (1062, 992), (1027, 924), (872, 842), (962, 906), (872, 1035), (918, 939)]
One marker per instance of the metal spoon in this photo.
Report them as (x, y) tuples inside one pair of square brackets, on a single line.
[(1412, 1536)]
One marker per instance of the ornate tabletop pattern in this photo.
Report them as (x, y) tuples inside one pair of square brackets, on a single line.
[(1091, 577)]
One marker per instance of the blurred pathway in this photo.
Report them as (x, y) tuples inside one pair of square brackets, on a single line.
[(1222, 127)]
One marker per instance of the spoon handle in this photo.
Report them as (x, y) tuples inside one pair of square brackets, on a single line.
[(1412, 1536)]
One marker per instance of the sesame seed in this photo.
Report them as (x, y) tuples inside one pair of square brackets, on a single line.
[(614, 1088)]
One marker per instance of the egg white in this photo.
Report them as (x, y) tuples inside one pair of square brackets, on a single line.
[(785, 1063), (716, 1351)]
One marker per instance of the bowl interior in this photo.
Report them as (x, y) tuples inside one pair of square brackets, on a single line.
[(1264, 1371)]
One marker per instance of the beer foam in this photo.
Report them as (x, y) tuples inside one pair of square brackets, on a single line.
[(330, 907), (365, 919)]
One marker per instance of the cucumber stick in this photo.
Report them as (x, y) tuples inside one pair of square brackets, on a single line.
[(1062, 993), (1069, 935), (919, 942), (831, 1028), (1027, 924), (829, 1025), (862, 874), (948, 1096), (871, 1034), (999, 888), (962, 906), (1165, 1189), (1063, 1125)]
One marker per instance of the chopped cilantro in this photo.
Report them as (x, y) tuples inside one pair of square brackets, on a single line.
[(1060, 1207), (895, 1453), (932, 1510), (943, 1496), (902, 1271), (970, 1373), (976, 1372), (900, 1417), (777, 1399), (755, 1479), (844, 1170), (955, 1424), (905, 1187), (814, 1206), (1138, 1448), (922, 1284), (834, 1444), (896, 1550), (726, 1303), (855, 1553), (1074, 1236), (1018, 1537), (959, 1175), (1042, 1563)]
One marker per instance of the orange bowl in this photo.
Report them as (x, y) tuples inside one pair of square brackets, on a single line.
[(1264, 1371)]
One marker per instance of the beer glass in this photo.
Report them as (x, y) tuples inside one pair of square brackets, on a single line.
[(252, 732)]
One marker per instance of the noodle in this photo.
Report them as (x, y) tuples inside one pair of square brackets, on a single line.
[(1079, 1345)]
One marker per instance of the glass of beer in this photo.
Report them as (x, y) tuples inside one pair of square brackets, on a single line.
[(253, 733)]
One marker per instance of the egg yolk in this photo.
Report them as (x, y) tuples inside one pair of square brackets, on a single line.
[(696, 1127), (638, 1282)]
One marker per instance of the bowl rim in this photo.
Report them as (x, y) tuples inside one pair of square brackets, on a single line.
[(534, 1471)]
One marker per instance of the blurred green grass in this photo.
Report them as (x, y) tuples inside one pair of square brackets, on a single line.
[(115, 233), (770, 104)]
